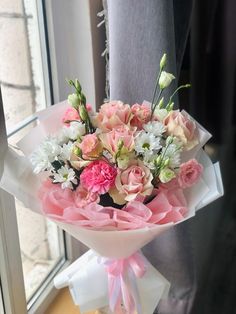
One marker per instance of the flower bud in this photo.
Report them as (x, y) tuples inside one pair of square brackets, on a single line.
[(83, 99), (169, 140), (120, 144), (73, 100), (163, 61), (158, 160), (78, 86), (166, 162), (161, 103), (165, 79), (77, 151), (83, 113), (166, 175)]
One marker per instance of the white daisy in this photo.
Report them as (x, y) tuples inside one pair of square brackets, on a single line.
[(66, 151), (65, 176), (39, 160), (154, 127), (146, 143), (47, 152), (51, 148)]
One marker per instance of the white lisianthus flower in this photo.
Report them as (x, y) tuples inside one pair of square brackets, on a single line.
[(173, 153), (154, 127), (165, 79), (146, 143), (66, 151), (65, 176), (160, 114), (75, 130)]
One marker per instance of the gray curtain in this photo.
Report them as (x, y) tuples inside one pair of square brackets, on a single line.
[(139, 33)]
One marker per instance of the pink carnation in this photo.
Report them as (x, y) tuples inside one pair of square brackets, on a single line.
[(83, 197), (189, 173), (98, 177), (70, 115), (112, 115), (141, 115)]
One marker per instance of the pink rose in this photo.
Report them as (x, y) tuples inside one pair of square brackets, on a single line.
[(91, 146), (98, 177), (112, 115), (112, 139), (83, 197), (70, 115), (179, 125), (132, 182), (55, 199), (189, 173), (141, 115)]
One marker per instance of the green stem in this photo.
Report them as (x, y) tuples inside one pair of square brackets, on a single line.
[(156, 102), (176, 91), (156, 85)]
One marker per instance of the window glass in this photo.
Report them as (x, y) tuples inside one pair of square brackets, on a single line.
[(22, 83)]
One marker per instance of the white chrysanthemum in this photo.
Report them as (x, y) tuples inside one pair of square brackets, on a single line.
[(173, 153), (72, 132), (146, 143), (66, 151), (51, 148), (65, 176), (40, 161), (154, 127), (47, 152)]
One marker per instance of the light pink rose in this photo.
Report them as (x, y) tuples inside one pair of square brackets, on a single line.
[(98, 177), (55, 199), (141, 115), (189, 173), (83, 197), (112, 115), (91, 146), (70, 115), (179, 125), (132, 182), (112, 139)]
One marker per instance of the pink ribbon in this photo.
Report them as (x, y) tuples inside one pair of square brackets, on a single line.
[(122, 282)]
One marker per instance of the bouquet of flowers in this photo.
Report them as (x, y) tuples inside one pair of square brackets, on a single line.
[(115, 179)]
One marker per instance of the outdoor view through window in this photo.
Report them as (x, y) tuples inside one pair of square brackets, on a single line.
[(23, 91)]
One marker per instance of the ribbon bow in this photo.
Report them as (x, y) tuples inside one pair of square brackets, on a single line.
[(122, 283)]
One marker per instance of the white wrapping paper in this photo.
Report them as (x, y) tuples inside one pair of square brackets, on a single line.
[(19, 180)]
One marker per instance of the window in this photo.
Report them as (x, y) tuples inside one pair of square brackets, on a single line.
[(33, 249), (25, 80)]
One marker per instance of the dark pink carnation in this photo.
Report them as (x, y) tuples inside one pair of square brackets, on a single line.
[(189, 173), (98, 177)]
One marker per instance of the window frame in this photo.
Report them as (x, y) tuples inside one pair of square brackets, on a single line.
[(49, 13)]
